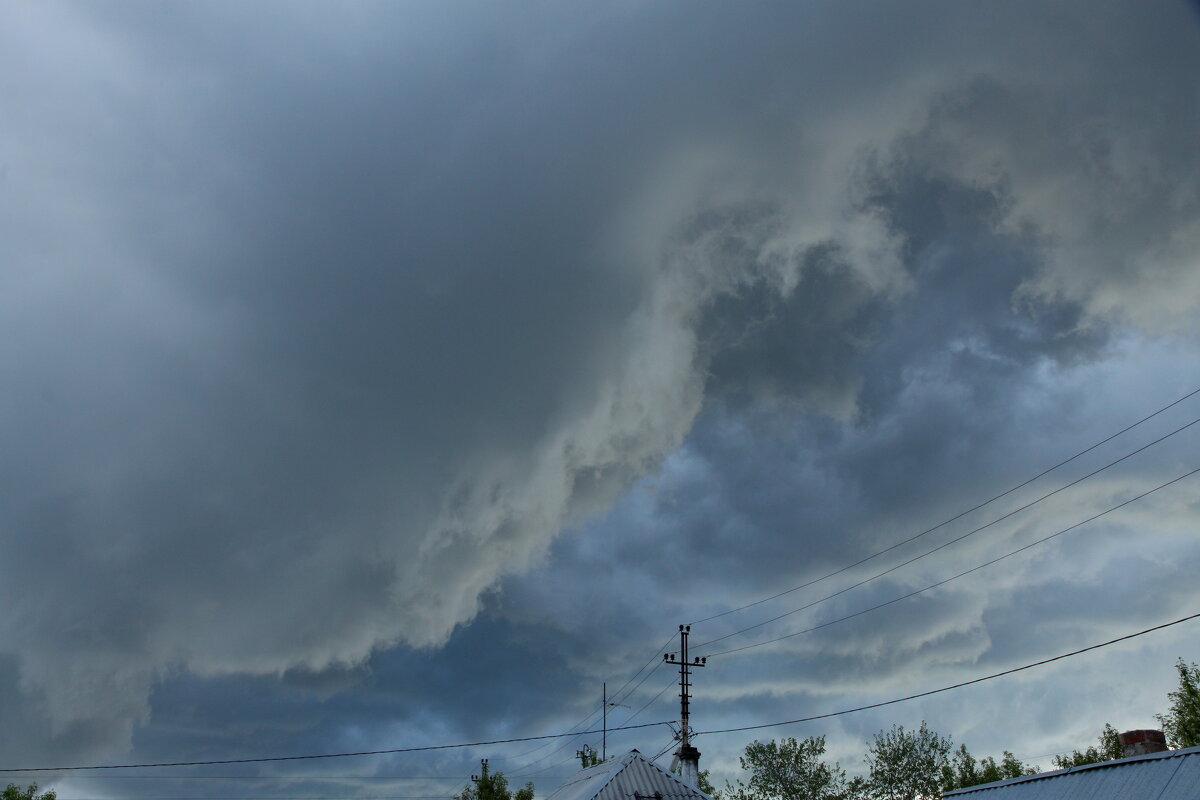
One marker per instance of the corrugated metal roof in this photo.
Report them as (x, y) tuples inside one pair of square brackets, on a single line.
[(626, 778), (1173, 775)]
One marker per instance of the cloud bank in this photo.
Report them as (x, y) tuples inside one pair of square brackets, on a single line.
[(318, 328)]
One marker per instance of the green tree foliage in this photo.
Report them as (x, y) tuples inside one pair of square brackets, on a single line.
[(907, 765), (963, 770), (1109, 749), (788, 770), (14, 792), (1010, 767), (1181, 723), (488, 786)]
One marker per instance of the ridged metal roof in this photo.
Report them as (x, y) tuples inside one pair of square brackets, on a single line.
[(1173, 775), (629, 777)]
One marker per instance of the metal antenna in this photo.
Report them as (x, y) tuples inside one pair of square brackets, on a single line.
[(604, 737)]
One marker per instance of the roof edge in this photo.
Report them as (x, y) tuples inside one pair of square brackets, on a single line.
[(1180, 753)]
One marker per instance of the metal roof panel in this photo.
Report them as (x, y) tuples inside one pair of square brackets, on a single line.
[(626, 778), (1173, 775)]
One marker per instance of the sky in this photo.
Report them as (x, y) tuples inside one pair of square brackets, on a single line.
[(383, 375)]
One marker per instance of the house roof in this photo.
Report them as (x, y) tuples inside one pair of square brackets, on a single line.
[(1172, 775), (626, 778)]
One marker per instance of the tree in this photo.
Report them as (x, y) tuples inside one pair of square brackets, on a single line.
[(963, 770), (1110, 748), (1012, 767), (788, 770), (14, 792), (907, 765), (1181, 723), (488, 786)]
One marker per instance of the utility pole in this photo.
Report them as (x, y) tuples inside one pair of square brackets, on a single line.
[(481, 779), (689, 757)]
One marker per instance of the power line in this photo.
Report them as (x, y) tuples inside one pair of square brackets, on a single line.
[(959, 575), (956, 540), (952, 686), (946, 522), (649, 675), (283, 778), (539, 773), (562, 745), (590, 717), (424, 748), (651, 701), (616, 698), (654, 659), (663, 751), (587, 720)]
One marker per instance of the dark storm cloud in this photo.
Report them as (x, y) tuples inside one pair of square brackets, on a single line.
[(320, 325)]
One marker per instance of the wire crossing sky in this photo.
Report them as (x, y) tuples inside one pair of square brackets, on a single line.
[(392, 374), (970, 510), (571, 733)]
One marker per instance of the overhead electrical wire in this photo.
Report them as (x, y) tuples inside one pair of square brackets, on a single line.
[(946, 522), (648, 675), (959, 575), (654, 663), (951, 687), (284, 797), (298, 778), (567, 742), (591, 717), (616, 698), (761, 726), (541, 773), (623, 722), (654, 659), (953, 541), (583, 723), (266, 759), (649, 702), (663, 751)]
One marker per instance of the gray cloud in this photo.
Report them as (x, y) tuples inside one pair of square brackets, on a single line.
[(319, 329)]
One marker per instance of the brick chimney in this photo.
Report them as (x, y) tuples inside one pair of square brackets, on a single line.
[(1139, 743)]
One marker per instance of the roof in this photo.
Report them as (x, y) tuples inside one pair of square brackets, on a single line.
[(1172, 775), (624, 778)]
